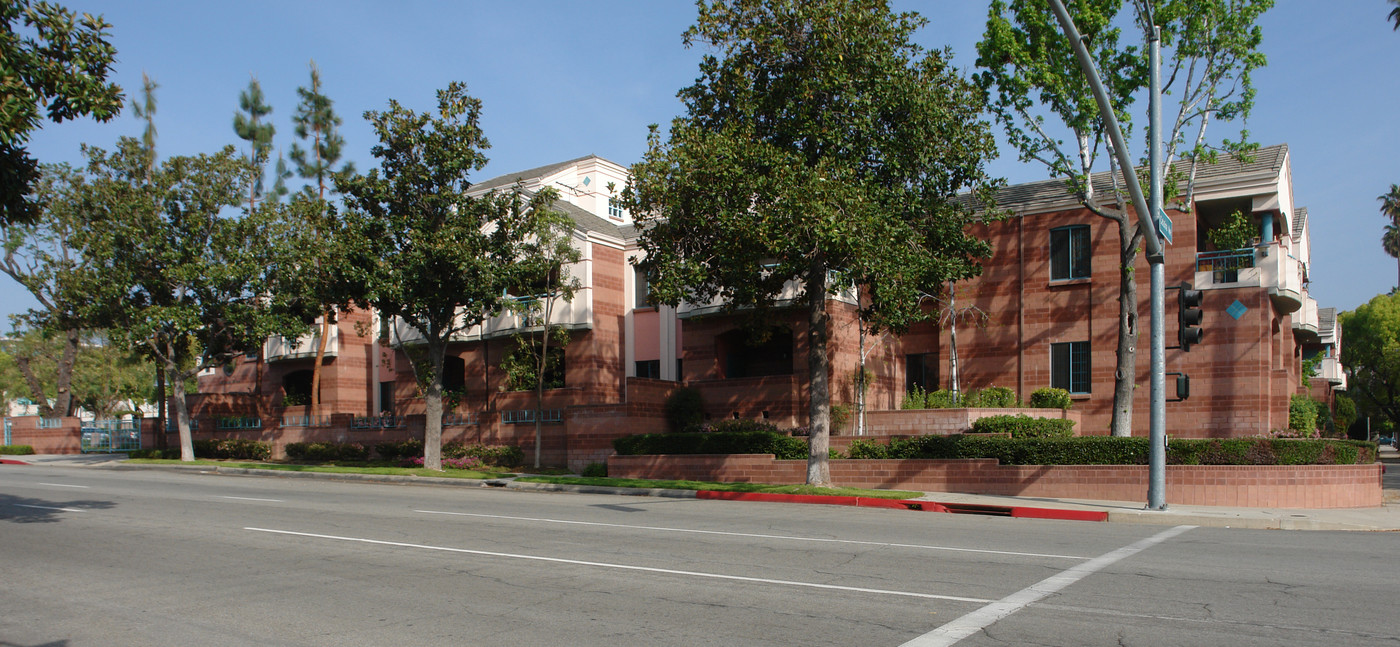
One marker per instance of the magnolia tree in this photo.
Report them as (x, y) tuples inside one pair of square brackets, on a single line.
[(819, 147), (417, 247)]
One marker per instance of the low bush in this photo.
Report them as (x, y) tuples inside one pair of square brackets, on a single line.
[(1302, 413), (169, 453), (685, 408), (735, 426), (326, 452), (231, 449), (1051, 398), (16, 450), (1108, 450), (994, 397), (914, 399), (497, 455), (941, 399), (746, 442), (595, 470), (1023, 426), (403, 449)]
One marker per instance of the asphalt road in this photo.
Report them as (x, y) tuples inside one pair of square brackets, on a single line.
[(102, 557)]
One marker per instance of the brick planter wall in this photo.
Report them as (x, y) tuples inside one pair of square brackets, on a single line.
[(65, 439), (1266, 486)]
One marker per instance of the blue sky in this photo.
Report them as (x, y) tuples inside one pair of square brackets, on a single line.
[(564, 79)]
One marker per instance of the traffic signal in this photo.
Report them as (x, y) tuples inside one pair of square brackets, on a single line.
[(1188, 316)]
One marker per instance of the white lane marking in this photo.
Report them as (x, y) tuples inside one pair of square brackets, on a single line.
[(626, 567), (753, 535), (44, 507), (248, 498), (980, 619), (84, 487)]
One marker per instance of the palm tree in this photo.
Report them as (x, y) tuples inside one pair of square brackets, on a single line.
[(1390, 203)]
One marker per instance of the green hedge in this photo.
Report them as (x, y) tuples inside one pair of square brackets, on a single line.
[(1023, 426), (1051, 398), (16, 450), (1107, 450), (231, 448), (322, 452), (402, 449), (734, 426), (498, 455), (745, 442)]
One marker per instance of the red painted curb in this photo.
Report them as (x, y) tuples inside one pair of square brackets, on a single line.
[(11, 461), (905, 504)]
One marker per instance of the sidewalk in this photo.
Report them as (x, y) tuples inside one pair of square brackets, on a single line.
[(1384, 518)]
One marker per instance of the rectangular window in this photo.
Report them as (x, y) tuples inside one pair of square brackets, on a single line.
[(615, 208), (386, 397), (1069, 366), (641, 288), (1069, 253), (921, 370), (649, 369)]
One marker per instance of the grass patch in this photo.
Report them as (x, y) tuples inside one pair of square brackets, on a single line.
[(332, 469), (722, 487)]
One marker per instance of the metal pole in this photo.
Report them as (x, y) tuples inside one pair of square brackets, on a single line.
[(1157, 456), (1156, 491)]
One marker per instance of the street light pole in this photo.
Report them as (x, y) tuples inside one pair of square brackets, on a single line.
[(1156, 490)]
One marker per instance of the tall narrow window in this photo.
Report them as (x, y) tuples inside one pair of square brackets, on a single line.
[(1069, 253), (615, 208), (1069, 366), (641, 288)]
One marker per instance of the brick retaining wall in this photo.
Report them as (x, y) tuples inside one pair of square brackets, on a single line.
[(1265, 486)]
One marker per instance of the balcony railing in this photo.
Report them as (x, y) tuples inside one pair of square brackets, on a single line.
[(575, 314), (376, 422), (790, 293), (1331, 370), (522, 416), (237, 423), (306, 421), (1305, 321), (1267, 266), (280, 348)]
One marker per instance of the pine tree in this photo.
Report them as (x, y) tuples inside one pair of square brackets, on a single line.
[(249, 126)]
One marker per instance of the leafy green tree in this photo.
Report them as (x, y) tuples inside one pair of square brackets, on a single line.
[(56, 65), (248, 125), (1235, 233), (172, 277), (1037, 91), (40, 254), (317, 124), (109, 381), (1371, 355), (417, 247), (1390, 208), (819, 148)]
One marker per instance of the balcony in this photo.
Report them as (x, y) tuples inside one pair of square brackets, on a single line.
[(576, 314), (1331, 370), (789, 295), (1305, 324), (278, 348), (1266, 266)]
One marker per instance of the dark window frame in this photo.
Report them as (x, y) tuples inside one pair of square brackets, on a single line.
[(1070, 254), (1070, 367)]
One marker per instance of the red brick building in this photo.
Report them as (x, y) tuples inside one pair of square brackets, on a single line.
[(1049, 295)]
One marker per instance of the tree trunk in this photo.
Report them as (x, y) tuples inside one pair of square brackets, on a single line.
[(161, 441), (320, 359), (182, 411), (1125, 372), (36, 390), (432, 427), (63, 402), (819, 411), (860, 374), (953, 347), (539, 386)]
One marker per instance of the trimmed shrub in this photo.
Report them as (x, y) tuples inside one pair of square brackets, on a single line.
[(403, 449), (1023, 426), (459, 463), (1051, 398), (596, 470), (1108, 450), (866, 448), (744, 442), (231, 448), (497, 455), (169, 453), (941, 399), (17, 450), (1302, 413), (685, 408), (735, 425), (326, 452), (994, 397)]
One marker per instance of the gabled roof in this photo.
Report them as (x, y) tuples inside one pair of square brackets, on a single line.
[(1052, 195), (587, 221), (1300, 220), (528, 174)]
